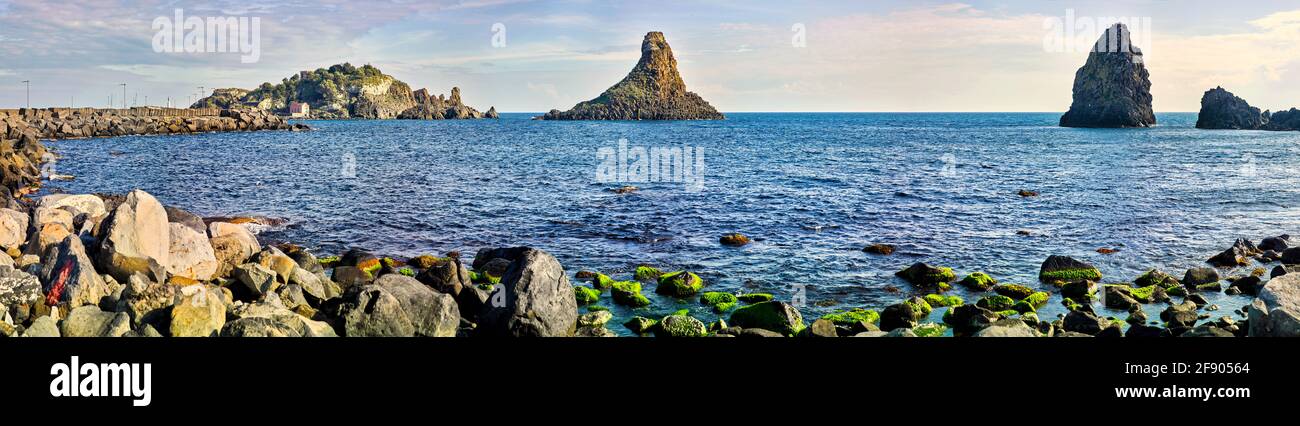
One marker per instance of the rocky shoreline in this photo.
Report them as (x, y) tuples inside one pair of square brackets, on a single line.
[(126, 266), (22, 130)]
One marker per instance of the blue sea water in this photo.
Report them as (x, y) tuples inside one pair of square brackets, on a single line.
[(810, 189)]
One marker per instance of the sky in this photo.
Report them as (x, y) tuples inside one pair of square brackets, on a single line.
[(742, 55)]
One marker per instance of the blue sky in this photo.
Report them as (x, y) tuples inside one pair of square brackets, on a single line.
[(739, 55)]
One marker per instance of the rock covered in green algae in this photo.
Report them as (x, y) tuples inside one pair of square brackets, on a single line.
[(1014, 291), (680, 326), (996, 303), (937, 300), (853, 316), (1155, 277), (586, 295), (774, 316), (904, 314), (646, 274), (978, 281), (628, 293), (640, 325), (929, 330), (720, 301), (925, 275), (679, 284), (755, 297), (1067, 269)]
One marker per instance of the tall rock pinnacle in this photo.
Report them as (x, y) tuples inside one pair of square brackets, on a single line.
[(654, 90), (1113, 89)]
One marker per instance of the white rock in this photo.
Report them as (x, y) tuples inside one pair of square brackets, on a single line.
[(1276, 312), (190, 254), (13, 228), (135, 233), (89, 204)]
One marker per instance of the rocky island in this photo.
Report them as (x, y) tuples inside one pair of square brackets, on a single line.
[(654, 90), (1113, 89), (1220, 109), (345, 91)]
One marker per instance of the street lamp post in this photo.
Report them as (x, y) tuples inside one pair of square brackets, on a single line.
[(29, 93), (123, 94)]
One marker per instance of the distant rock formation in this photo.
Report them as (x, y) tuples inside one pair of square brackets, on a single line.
[(1220, 109), (344, 91), (654, 90), (1113, 89)]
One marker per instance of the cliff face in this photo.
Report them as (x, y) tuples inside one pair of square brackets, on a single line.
[(1220, 109), (654, 90), (1113, 89), (340, 91)]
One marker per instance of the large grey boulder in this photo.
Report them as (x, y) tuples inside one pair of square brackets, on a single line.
[(397, 305), (536, 299), (88, 204), (1276, 312), (90, 321), (135, 237)]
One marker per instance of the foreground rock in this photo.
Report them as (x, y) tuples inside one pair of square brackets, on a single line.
[(1276, 312), (654, 90), (136, 238), (397, 305), (538, 299), (1113, 89)]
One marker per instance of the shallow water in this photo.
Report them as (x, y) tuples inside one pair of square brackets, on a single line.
[(811, 189)]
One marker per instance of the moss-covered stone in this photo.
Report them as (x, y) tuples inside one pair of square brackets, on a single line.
[(1079, 290), (922, 274), (328, 261), (407, 271), (773, 316), (602, 281), (1155, 277), (937, 300), (425, 261), (1070, 304), (1176, 290), (680, 326), (1023, 307), (647, 274), (755, 297), (720, 301), (1014, 291), (1062, 268), (628, 293), (640, 325), (586, 295), (919, 305), (852, 316), (679, 284), (929, 329), (594, 308), (996, 302), (1037, 299), (978, 281), (1144, 294)]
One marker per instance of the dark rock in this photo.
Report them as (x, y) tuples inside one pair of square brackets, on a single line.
[(654, 90), (1198, 276), (820, 328), (1278, 244), (1139, 330), (925, 275), (1113, 89), (1221, 109), (1083, 322), (1291, 256), (881, 249), (1066, 269), (1181, 315), (1237, 255), (538, 299), (775, 315), (1250, 285)]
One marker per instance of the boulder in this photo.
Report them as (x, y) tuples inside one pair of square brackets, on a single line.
[(1237, 255), (282, 318), (680, 326), (1067, 269), (397, 305), (79, 204), (189, 220), (1084, 322), (135, 236), (1199, 276), (1113, 89), (1220, 109), (44, 326), (776, 316), (447, 277), (13, 228), (232, 245), (538, 297), (1180, 315), (147, 303), (190, 253), (258, 280), (89, 321), (925, 275), (1291, 256), (258, 327), (968, 319), (1278, 244), (199, 313), (1276, 312), (19, 292), (69, 277), (1007, 328)]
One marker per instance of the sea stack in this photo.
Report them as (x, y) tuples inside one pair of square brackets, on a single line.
[(1221, 110), (654, 90), (1113, 89)]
